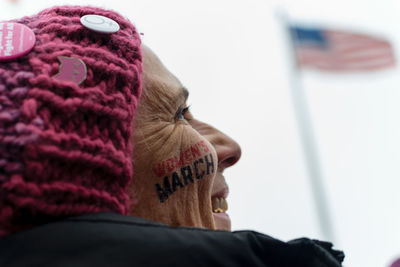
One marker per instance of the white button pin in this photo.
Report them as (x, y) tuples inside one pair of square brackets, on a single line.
[(99, 23)]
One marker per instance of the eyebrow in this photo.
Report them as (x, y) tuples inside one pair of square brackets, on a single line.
[(185, 93)]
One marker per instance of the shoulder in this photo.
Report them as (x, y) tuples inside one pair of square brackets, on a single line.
[(115, 240), (107, 239)]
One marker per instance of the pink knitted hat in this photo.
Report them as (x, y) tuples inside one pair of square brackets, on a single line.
[(65, 149)]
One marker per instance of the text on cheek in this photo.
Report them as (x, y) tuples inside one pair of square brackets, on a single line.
[(177, 162), (186, 175)]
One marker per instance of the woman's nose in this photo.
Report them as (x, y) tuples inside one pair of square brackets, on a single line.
[(228, 150)]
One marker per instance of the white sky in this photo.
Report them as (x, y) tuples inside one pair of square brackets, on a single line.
[(233, 57)]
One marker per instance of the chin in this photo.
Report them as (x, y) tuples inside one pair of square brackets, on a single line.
[(222, 221)]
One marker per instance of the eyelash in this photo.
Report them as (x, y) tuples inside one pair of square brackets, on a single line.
[(180, 114)]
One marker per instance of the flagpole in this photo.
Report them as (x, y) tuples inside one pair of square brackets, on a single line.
[(307, 137)]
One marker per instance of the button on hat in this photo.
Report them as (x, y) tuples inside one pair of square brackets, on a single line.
[(99, 23), (16, 40)]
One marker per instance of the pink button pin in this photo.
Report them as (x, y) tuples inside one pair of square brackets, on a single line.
[(72, 69), (16, 40)]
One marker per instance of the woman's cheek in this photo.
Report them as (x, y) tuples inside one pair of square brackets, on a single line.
[(191, 163), (182, 161)]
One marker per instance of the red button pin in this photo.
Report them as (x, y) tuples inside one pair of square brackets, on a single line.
[(16, 40)]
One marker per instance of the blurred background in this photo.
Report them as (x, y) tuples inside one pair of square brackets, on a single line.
[(237, 61)]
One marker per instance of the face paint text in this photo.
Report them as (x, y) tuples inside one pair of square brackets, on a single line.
[(185, 157), (185, 176)]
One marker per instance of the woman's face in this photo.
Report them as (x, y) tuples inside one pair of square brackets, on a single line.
[(178, 161)]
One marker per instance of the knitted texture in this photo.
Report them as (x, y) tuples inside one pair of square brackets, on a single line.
[(66, 149)]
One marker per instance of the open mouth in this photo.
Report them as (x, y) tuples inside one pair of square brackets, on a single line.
[(219, 204), (219, 207)]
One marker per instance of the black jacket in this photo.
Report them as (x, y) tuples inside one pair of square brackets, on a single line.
[(107, 239)]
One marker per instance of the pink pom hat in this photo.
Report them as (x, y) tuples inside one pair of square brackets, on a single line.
[(65, 146)]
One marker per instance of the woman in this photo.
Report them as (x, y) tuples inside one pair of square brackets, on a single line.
[(70, 81), (179, 161)]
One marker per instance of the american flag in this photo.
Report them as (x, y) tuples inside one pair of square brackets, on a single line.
[(334, 50)]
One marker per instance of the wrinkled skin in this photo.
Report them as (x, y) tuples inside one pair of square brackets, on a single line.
[(168, 138)]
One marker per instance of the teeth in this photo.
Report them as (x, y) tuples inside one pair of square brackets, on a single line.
[(219, 204)]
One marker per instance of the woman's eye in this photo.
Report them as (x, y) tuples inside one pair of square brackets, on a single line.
[(180, 115)]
